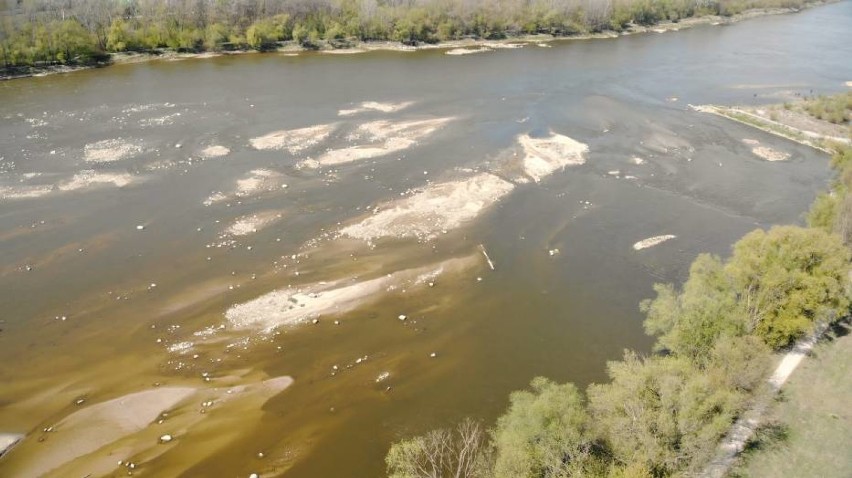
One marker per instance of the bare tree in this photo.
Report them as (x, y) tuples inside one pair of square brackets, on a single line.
[(464, 452)]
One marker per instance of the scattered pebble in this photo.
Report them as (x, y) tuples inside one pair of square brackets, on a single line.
[(165, 438)]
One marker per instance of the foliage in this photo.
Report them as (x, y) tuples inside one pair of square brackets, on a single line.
[(788, 279), (546, 433), (27, 34), (835, 109), (661, 412), (689, 323)]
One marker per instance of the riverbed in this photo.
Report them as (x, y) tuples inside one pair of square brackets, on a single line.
[(287, 263)]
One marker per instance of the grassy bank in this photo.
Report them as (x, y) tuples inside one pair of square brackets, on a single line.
[(717, 337), (40, 36), (809, 429)]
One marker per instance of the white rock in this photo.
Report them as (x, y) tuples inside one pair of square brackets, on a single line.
[(165, 438), (140, 227), (402, 317)]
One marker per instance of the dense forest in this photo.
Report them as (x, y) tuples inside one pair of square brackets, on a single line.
[(663, 415), (51, 32)]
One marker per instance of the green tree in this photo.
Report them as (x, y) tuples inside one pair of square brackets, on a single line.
[(546, 433), (688, 323), (789, 279), (661, 412)]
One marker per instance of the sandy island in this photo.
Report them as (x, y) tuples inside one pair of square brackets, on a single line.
[(256, 182), (433, 210), (214, 151), (379, 138), (294, 306), (368, 106), (252, 223), (294, 140), (110, 150), (652, 241), (543, 156)]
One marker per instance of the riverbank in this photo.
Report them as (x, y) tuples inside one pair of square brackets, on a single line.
[(808, 427), (453, 47), (784, 120)]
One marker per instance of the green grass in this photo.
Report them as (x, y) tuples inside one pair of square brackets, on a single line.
[(836, 109), (810, 427)]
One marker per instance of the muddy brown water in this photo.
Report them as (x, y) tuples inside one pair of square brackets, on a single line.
[(562, 315)]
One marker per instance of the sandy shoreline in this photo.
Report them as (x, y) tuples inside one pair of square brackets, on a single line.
[(481, 45)]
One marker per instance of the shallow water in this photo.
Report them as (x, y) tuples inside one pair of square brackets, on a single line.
[(561, 314)]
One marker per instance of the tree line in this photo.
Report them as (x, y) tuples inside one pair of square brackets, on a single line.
[(46, 32), (663, 415)]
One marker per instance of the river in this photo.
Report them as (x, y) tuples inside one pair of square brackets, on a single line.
[(141, 203)]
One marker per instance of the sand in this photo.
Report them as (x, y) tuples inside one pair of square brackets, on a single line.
[(88, 178), (294, 140), (433, 210), (466, 51), (545, 155), (368, 106), (380, 138), (256, 182), (505, 46), (259, 180), (252, 223), (214, 151), (652, 241), (769, 154), (7, 441), (357, 153), (110, 150), (166, 120), (383, 129), (288, 307), (95, 426), (24, 192)]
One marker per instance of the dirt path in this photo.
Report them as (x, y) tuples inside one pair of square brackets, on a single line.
[(744, 428)]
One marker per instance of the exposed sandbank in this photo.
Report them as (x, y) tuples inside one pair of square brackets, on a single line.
[(543, 156), (432, 210), (87, 178), (467, 51), (256, 182), (378, 138), (652, 241), (214, 151), (252, 223), (295, 140), (110, 150), (293, 306), (368, 106)]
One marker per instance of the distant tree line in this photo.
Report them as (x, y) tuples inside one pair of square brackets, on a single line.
[(663, 415), (45, 32)]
